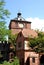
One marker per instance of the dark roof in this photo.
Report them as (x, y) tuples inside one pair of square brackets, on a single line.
[(19, 18), (20, 21)]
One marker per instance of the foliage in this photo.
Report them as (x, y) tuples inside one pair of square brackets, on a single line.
[(3, 31), (0, 64), (4, 13), (37, 43), (6, 63), (12, 38), (16, 61)]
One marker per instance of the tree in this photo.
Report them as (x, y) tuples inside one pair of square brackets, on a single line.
[(12, 38), (4, 14), (37, 43)]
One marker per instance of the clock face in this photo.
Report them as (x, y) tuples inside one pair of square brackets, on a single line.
[(21, 25)]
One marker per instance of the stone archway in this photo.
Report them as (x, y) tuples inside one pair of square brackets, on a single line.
[(42, 60), (28, 61)]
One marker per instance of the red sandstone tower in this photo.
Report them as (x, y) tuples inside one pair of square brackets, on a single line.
[(23, 28)]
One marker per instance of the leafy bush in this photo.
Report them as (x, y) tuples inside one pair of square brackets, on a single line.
[(6, 63), (16, 61)]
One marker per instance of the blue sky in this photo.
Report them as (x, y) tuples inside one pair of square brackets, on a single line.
[(31, 9)]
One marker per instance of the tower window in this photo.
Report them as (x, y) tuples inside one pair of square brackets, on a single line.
[(19, 45)]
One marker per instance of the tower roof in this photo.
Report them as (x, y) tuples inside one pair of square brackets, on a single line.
[(19, 17)]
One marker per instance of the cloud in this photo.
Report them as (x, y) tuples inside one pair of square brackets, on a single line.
[(36, 23)]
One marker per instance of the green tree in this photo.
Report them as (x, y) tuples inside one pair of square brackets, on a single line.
[(14, 62), (12, 40), (4, 14), (37, 43)]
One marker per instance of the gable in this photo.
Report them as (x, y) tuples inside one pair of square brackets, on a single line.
[(20, 36)]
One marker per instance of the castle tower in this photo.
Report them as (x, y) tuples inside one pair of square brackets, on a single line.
[(19, 23), (22, 27)]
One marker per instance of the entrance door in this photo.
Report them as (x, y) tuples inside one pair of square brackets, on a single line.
[(42, 60), (28, 61)]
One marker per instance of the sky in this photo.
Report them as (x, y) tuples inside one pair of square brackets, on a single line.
[(32, 10)]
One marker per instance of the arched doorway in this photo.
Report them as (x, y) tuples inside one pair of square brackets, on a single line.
[(28, 61), (42, 60)]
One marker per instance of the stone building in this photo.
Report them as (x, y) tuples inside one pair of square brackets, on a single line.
[(25, 54)]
